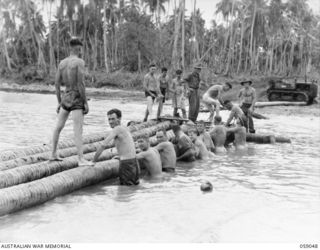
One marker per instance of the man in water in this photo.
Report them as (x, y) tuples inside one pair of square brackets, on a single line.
[(212, 98), (239, 131), (71, 73), (167, 152), (202, 152), (149, 157), (236, 112), (164, 88), (151, 88), (247, 100), (205, 136), (193, 83), (128, 168), (183, 145), (218, 135)]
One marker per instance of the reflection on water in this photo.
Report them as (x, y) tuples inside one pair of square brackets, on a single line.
[(269, 194)]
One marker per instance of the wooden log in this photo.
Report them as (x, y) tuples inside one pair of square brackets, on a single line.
[(13, 154), (258, 138), (32, 172), (36, 192), (278, 103)]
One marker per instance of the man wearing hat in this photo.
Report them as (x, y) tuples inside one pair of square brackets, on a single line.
[(212, 98), (70, 72), (247, 100), (193, 82)]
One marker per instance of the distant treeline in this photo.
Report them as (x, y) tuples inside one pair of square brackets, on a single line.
[(257, 37)]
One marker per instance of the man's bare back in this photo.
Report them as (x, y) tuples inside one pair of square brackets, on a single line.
[(150, 159), (219, 135)]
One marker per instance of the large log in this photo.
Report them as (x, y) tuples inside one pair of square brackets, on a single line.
[(279, 103), (32, 172), (13, 154), (36, 192), (258, 138), (65, 152)]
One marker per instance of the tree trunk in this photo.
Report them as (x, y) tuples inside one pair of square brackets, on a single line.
[(105, 40), (230, 51), (52, 63), (251, 35), (182, 34), (175, 62)]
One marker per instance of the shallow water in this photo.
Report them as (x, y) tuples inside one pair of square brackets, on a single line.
[(270, 194)]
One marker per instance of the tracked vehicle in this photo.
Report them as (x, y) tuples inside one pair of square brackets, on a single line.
[(292, 90)]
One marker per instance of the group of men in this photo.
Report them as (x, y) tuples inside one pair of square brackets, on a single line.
[(188, 89), (190, 141)]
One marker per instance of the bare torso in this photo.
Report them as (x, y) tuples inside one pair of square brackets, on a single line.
[(218, 135), (240, 137), (69, 69), (150, 159), (167, 154), (124, 143), (201, 148)]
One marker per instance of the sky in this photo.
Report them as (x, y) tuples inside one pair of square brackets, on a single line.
[(208, 8)]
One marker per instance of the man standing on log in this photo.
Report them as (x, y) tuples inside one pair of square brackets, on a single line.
[(247, 100), (71, 73), (151, 88), (193, 83), (128, 168)]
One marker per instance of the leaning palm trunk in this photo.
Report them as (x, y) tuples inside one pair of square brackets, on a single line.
[(32, 172), (10, 155)]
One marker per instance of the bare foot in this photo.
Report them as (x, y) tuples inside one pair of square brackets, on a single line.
[(83, 162)]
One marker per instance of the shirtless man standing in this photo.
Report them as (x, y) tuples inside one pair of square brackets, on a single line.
[(128, 168), (151, 88), (183, 145), (212, 98), (202, 152), (167, 152), (164, 88), (71, 73), (149, 158), (218, 135), (239, 135), (247, 100)]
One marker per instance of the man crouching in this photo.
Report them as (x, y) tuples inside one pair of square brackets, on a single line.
[(128, 168)]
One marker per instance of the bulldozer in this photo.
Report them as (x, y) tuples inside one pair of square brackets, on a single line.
[(293, 90)]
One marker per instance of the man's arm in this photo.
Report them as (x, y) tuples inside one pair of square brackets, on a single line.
[(254, 99), (80, 81), (240, 96), (189, 153), (110, 137), (231, 116), (58, 84), (159, 147)]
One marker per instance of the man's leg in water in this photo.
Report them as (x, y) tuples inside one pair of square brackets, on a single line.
[(62, 118), (77, 116), (160, 107)]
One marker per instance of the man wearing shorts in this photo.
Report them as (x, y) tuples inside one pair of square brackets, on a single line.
[(71, 73), (128, 168), (247, 100), (212, 98), (164, 88), (151, 89)]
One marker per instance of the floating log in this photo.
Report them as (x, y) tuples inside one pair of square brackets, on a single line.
[(258, 138), (32, 172), (278, 103), (36, 192), (66, 152), (87, 139)]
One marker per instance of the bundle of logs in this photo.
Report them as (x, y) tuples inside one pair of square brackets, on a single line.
[(27, 178)]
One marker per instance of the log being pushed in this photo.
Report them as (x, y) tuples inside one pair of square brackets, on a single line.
[(87, 139), (32, 172), (65, 152), (258, 138)]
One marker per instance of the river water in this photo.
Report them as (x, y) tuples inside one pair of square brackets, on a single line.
[(270, 194)]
